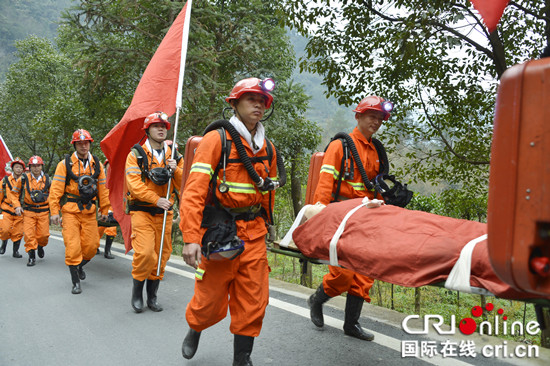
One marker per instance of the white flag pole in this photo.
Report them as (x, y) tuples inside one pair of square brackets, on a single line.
[(184, 43)]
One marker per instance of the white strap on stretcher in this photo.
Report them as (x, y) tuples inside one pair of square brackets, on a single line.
[(288, 237), (459, 278), (333, 255)]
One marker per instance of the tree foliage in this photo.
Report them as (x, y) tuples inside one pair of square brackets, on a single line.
[(112, 42), (39, 103), (435, 60)]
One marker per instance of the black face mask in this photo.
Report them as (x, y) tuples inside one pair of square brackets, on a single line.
[(38, 196), (87, 188), (159, 176)]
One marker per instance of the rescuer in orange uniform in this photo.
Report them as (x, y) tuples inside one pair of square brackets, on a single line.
[(11, 224), (36, 212), (370, 113), (83, 183), (241, 283), (147, 183), (109, 231)]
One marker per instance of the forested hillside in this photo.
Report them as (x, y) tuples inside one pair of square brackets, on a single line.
[(20, 18)]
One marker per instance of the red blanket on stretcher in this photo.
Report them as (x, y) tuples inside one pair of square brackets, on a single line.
[(400, 246)]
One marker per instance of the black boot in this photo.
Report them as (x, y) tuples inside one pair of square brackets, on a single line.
[(354, 304), (242, 348), (190, 344), (3, 247), (76, 281), (40, 251), (32, 258), (137, 296), (152, 286), (16, 249), (315, 303), (81, 273), (108, 243)]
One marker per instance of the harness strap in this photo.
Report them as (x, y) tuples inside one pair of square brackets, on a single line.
[(149, 209)]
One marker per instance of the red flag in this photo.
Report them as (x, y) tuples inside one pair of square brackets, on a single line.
[(155, 92), (490, 11), (5, 158)]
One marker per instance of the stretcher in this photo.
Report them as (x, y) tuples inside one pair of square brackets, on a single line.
[(395, 245)]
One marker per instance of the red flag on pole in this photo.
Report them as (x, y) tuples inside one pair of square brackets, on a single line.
[(5, 158), (490, 11), (156, 91)]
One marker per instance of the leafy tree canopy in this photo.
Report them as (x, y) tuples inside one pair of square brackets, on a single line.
[(435, 60)]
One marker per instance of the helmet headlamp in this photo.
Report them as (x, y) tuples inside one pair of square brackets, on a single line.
[(387, 106), (267, 84)]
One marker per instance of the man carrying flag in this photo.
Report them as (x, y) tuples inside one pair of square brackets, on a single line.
[(149, 168)]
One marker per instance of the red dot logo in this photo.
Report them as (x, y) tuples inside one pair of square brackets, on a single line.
[(489, 306), (467, 326), (477, 311)]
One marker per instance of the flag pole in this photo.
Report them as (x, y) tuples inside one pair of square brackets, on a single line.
[(184, 43)]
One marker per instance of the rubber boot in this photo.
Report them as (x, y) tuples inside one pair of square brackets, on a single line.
[(152, 287), (315, 303), (3, 247), (40, 251), (32, 258), (81, 273), (76, 281), (108, 243), (16, 249), (137, 296), (242, 348), (190, 343), (354, 304)]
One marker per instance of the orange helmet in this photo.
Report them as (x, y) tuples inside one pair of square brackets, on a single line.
[(36, 160), (375, 103), (81, 135), (17, 160), (253, 85), (157, 117)]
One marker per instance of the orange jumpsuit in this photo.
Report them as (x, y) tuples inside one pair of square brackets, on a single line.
[(340, 280), (109, 231), (11, 225), (241, 283), (36, 221), (79, 227), (147, 227)]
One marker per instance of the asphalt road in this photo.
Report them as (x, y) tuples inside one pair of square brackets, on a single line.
[(42, 323)]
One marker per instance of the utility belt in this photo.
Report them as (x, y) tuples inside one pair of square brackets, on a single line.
[(149, 209), (8, 211), (36, 208), (248, 213), (82, 205)]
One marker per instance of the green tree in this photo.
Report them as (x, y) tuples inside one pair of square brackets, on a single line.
[(435, 59), (112, 42), (39, 105)]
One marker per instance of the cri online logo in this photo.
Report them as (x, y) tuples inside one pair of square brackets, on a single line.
[(468, 326)]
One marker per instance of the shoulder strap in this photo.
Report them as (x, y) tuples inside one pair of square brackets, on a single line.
[(382, 156), (142, 160), (7, 181), (68, 167), (97, 167)]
